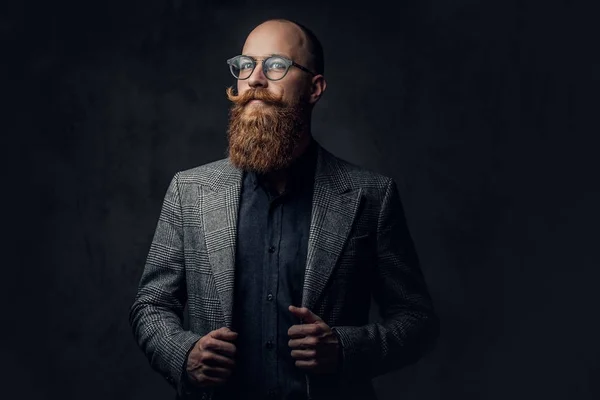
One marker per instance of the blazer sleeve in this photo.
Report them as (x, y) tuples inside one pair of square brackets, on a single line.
[(409, 326), (157, 311)]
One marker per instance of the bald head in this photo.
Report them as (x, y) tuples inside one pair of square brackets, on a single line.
[(300, 43), (301, 83)]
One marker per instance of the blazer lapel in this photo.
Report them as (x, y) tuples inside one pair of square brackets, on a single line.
[(219, 209), (334, 208)]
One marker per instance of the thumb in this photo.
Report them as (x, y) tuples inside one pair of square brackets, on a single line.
[(307, 316), (224, 333)]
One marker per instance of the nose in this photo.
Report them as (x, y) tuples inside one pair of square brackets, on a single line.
[(258, 78)]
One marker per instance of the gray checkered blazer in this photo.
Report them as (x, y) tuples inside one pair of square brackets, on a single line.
[(359, 246)]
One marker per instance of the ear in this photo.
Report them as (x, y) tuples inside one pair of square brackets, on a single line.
[(317, 88)]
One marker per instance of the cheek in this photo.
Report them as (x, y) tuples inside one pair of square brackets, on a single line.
[(298, 93), (293, 94)]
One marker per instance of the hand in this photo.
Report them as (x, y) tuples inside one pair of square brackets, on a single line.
[(211, 361), (314, 345)]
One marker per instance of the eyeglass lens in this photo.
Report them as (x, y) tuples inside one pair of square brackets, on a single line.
[(274, 67)]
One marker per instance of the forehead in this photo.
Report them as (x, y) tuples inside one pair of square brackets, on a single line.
[(275, 38)]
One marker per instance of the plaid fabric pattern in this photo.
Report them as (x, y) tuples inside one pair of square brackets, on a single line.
[(358, 246)]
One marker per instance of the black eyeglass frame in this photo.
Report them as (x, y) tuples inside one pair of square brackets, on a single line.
[(288, 62)]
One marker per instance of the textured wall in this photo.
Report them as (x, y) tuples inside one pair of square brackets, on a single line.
[(485, 114)]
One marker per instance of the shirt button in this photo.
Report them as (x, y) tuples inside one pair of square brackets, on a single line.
[(271, 249), (269, 344), (269, 297)]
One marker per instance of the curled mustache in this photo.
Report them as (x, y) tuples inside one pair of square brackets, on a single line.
[(254, 94)]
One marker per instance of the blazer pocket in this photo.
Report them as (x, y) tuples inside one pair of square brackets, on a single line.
[(359, 237), (356, 252), (355, 242)]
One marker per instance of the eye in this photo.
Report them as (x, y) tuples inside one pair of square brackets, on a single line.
[(277, 63), (246, 65)]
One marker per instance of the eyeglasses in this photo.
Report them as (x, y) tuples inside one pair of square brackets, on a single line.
[(274, 67)]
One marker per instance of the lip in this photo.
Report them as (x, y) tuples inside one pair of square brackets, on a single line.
[(255, 101)]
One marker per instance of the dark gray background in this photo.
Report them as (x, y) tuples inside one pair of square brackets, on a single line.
[(485, 114)]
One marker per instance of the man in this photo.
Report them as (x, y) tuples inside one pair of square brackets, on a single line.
[(277, 251)]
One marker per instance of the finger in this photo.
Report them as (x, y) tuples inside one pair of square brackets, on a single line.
[(307, 316), (216, 372), (309, 342), (217, 360), (304, 354), (224, 333), (298, 331), (307, 364), (219, 346)]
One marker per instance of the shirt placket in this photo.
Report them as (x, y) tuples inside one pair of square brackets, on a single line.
[(270, 288)]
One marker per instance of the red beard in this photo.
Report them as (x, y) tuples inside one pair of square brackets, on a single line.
[(262, 137)]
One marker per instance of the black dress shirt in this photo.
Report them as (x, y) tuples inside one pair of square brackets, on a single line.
[(271, 254)]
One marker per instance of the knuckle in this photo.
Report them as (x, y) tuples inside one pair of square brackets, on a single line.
[(206, 356), (212, 344), (205, 341)]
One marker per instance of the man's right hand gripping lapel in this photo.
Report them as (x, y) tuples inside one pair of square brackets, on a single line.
[(212, 359)]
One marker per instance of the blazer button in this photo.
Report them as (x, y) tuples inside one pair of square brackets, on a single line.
[(269, 344), (272, 249), (269, 297)]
